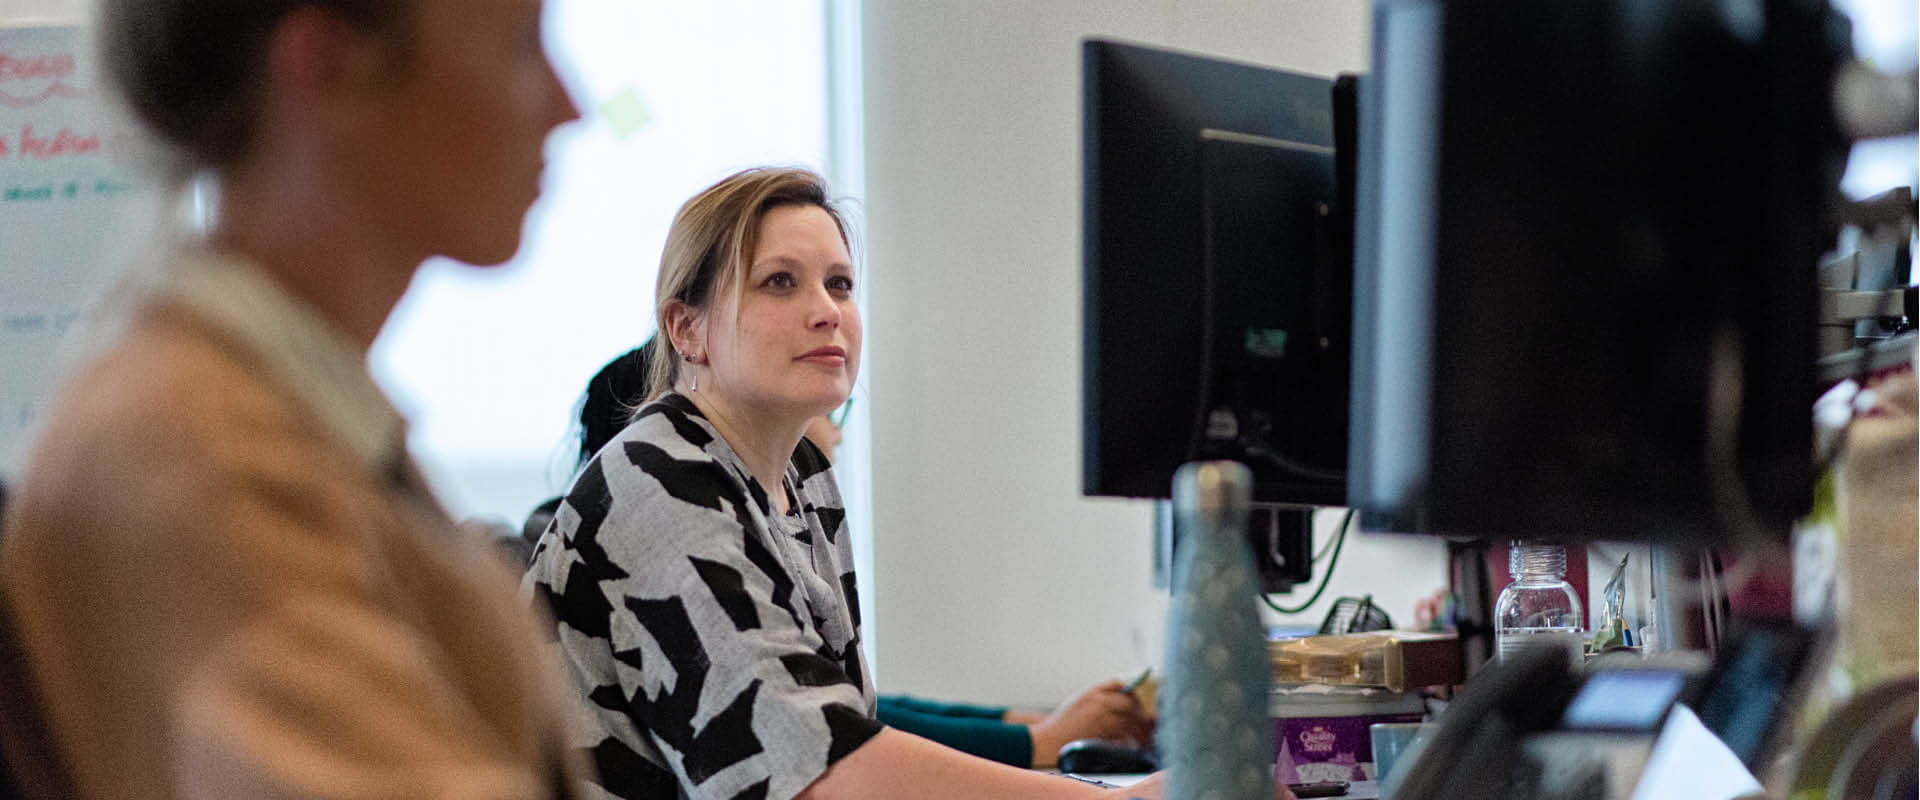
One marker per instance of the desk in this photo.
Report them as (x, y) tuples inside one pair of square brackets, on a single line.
[(1356, 790)]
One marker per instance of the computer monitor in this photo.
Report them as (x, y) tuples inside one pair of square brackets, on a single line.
[(1584, 268), (1217, 275)]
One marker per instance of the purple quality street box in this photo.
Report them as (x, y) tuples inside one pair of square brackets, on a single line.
[(1320, 732)]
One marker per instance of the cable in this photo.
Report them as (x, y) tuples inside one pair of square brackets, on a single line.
[(1325, 549), (1256, 448), (1346, 524)]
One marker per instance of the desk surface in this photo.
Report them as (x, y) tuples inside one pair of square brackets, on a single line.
[(1357, 790)]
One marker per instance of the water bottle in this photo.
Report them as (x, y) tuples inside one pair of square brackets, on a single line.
[(1216, 737), (1539, 607)]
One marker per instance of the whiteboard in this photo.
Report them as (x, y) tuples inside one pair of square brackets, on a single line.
[(75, 209)]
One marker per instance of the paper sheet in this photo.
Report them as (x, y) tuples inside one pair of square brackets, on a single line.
[(1690, 763)]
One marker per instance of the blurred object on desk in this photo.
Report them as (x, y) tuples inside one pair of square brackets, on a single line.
[(1324, 733), (1392, 741), (1434, 612), (1612, 632), (1146, 691), (1104, 757), (1865, 749), (1355, 615), (1213, 734), (1396, 660), (1855, 554), (1877, 491)]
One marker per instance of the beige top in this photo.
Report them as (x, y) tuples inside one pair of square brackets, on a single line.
[(230, 583)]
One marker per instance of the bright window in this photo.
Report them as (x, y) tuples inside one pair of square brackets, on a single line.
[(1884, 35), (489, 364)]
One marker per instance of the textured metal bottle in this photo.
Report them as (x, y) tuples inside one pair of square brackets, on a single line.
[(1216, 739)]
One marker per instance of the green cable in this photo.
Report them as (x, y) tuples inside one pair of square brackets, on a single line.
[(1346, 523)]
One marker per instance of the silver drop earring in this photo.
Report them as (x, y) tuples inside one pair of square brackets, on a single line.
[(693, 378)]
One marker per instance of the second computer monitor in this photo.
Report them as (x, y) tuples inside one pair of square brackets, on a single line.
[(1217, 275), (1585, 273)]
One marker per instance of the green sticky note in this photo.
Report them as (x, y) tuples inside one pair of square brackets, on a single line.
[(1266, 342), (626, 113)]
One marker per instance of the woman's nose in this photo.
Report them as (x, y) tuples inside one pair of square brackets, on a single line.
[(825, 311)]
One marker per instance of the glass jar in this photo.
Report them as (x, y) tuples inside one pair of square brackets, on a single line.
[(1539, 607)]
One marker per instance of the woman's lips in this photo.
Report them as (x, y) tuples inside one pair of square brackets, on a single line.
[(826, 356)]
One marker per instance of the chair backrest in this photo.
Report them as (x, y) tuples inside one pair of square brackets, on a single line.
[(30, 764)]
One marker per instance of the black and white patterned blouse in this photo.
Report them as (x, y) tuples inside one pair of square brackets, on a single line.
[(715, 642)]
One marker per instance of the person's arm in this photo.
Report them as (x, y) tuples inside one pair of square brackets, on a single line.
[(900, 766), (925, 706), (1105, 711), (979, 734)]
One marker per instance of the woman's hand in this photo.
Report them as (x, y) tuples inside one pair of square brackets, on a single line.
[(1105, 711)]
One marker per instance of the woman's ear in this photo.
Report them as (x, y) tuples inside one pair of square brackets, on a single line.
[(323, 65), (681, 324)]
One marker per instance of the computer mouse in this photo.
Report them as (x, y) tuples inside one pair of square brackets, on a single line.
[(1103, 757)]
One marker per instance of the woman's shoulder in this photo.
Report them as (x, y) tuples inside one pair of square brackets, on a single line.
[(810, 460), (668, 420), (813, 476), (668, 450)]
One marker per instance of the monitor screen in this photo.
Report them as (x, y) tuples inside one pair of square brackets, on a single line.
[(1624, 699), (1217, 275), (1755, 687), (1584, 259)]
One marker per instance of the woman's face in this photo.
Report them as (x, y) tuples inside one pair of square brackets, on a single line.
[(789, 346), (454, 146)]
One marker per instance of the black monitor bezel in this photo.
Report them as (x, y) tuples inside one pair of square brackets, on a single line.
[(1145, 339)]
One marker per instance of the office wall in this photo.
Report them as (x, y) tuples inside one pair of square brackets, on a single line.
[(992, 578), (14, 11)]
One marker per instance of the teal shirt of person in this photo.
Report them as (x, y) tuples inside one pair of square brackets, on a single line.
[(980, 730)]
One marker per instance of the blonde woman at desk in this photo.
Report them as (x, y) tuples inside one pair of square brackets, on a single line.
[(226, 576), (700, 566), (1021, 738)]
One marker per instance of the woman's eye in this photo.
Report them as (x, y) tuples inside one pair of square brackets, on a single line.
[(779, 280), (840, 283)]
